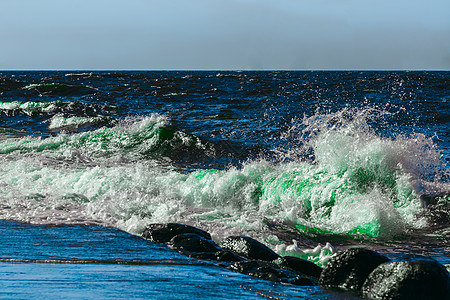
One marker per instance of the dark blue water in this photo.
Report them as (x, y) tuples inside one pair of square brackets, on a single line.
[(315, 157)]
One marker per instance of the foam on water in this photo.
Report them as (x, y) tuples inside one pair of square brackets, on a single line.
[(359, 183), (319, 255), (130, 139), (59, 122), (31, 107)]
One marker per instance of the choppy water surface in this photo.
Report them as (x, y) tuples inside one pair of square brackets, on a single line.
[(315, 157)]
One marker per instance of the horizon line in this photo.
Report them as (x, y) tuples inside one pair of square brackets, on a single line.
[(228, 70)]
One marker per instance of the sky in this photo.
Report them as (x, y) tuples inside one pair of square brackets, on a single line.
[(224, 34)]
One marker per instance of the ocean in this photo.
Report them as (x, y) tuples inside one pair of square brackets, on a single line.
[(307, 162)]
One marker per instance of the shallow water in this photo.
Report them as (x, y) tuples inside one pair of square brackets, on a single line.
[(289, 158)]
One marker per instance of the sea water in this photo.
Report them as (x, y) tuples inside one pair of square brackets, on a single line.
[(306, 162)]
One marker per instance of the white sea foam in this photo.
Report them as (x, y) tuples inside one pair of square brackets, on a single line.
[(31, 107), (319, 255), (360, 183), (59, 122)]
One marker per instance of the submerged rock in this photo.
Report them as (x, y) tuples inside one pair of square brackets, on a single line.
[(163, 233), (349, 269), (192, 242), (423, 279), (249, 248), (271, 272), (299, 265)]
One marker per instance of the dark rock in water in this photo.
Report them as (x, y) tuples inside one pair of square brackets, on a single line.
[(437, 210), (200, 255), (270, 272), (228, 256), (424, 279), (249, 248), (192, 242), (434, 199), (349, 269), (163, 233), (299, 265), (222, 256)]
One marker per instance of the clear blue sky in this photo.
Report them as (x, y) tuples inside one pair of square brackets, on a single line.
[(224, 34)]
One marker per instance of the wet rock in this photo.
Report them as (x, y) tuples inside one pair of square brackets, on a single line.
[(349, 269), (299, 265), (223, 256), (270, 272), (249, 248), (438, 213), (163, 233), (200, 255), (192, 242), (423, 279), (434, 199), (227, 256)]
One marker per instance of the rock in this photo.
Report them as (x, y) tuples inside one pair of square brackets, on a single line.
[(437, 215), (192, 242), (349, 269), (249, 248), (434, 199), (201, 255), (222, 256), (163, 233), (270, 272), (228, 256), (299, 265), (423, 279)]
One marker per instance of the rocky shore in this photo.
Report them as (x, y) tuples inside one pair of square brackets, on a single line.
[(356, 271)]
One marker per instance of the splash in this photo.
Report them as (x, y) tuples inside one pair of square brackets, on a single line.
[(133, 138), (320, 255), (358, 184), (61, 123)]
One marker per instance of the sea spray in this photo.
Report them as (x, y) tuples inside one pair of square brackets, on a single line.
[(61, 123), (320, 255), (133, 138), (359, 183)]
